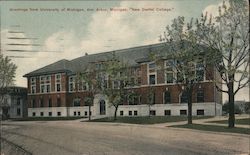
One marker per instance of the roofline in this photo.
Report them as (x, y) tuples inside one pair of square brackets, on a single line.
[(122, 50), (46, 73)]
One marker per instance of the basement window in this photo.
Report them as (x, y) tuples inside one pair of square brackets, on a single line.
[(200, 112), (152, 112), (183, 112), (167, 112)]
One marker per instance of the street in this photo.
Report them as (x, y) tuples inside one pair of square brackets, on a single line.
[(89, 138)]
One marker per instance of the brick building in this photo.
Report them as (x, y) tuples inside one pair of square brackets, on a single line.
[(14, 102), (53, 90)]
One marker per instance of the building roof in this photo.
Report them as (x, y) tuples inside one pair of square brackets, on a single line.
[(132, 56)]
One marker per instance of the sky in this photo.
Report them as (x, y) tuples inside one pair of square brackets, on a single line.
[(68, 29)]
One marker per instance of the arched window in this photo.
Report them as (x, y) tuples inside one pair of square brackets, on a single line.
[(200, 96), (76, 102), (41, 103), (167, 97), (184, 97)]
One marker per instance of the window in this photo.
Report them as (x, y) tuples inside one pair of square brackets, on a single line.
[(200, 112), (167, 112), (41, 103), (152, 112), (121, 113), (74, 113), (58, 113), (151, 79), (41, 113), (98, 66), (169, 77), (135, 112), (18, 101), (58, 102), (167, 97), (139, 81), (183, 112), (200, 72), (33, 103), (33, 114), (71, 83), (50, 113), (85, 113), (58, 82), (180, 78), (151, 65), (79, 113), (90, 113), (33, 85), (151, 98), (130, 113), (58, 87), (184, 97), (116, 84), (169, 74), (48, 88), (82, 86), (134, 99), (76, 102), (42, 88), (45, 84), (18, 112), (200, 96), (50, 102)]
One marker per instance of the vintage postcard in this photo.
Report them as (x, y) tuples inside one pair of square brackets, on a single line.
[(134, 77)]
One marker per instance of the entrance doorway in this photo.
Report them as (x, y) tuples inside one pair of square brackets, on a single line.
[(102, 107)]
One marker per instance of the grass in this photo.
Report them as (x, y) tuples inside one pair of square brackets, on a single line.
[(46, 118), (147, 120), (214, 128), (243, 121)]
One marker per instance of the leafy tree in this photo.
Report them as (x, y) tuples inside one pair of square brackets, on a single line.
[(7, 75), (228, 40), (185, 57), (118, 73), (89, 78), (151, 99)]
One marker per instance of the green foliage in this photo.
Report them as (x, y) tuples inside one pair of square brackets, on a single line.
[(7, 72), (7, 75), (237, 109)]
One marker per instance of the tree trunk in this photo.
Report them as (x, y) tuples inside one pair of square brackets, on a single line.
[(190, 92), (149, 110), (231, 119), (116, 108), (89, 112)]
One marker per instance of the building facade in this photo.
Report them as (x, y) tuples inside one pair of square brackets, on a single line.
[(55, 91), (14, 102)]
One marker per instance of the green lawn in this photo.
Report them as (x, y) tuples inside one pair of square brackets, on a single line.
[(46, 118), (214, 128), (147, 120), (243, 121)]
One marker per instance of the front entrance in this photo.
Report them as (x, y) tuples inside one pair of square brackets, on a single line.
[(102, 107)]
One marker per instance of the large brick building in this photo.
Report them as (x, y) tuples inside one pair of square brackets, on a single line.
[(53, 91)]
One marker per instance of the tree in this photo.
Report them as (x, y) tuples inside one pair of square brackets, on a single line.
[(118, 74), (7, 75), (228, 41), (89, 79), (185, 57), (151, 99)]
